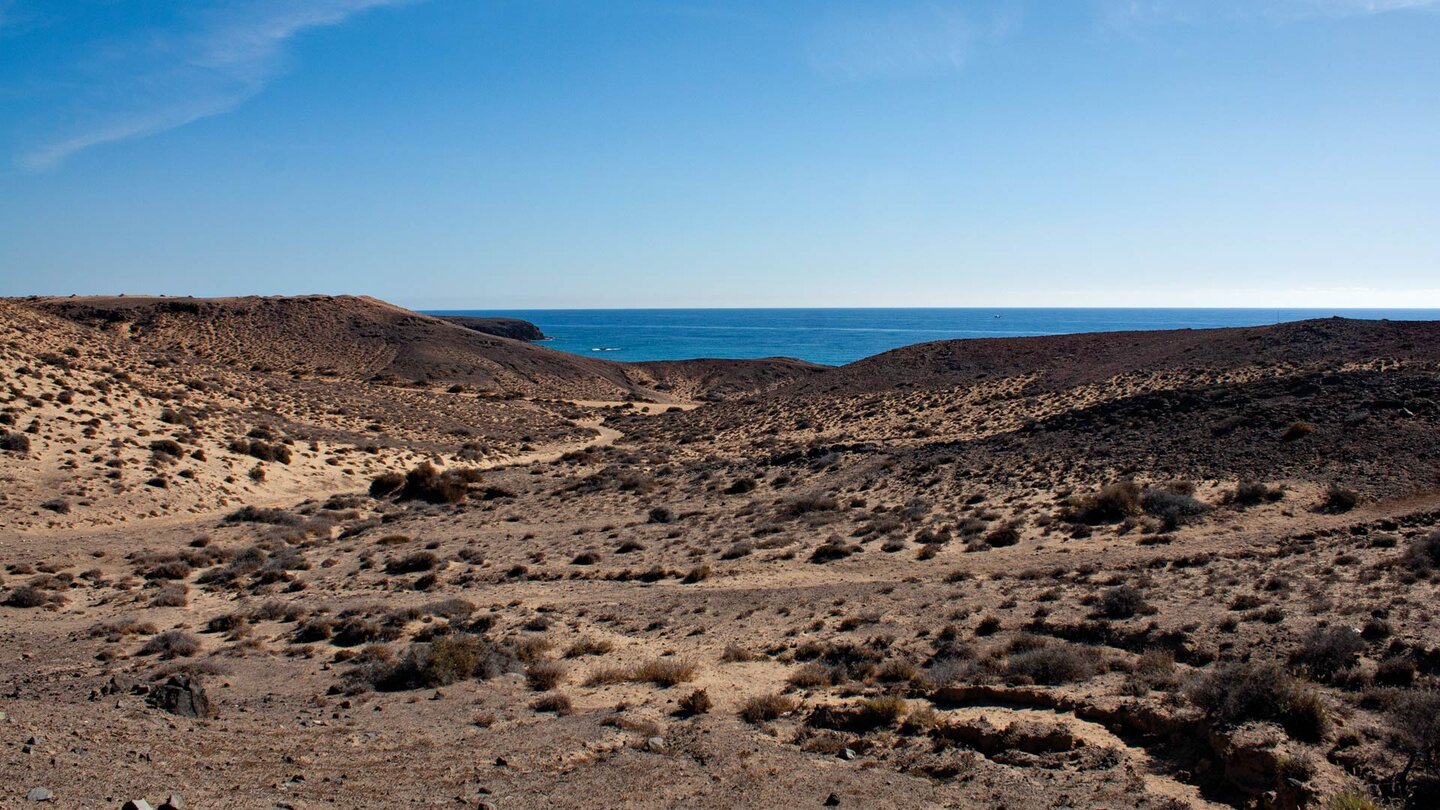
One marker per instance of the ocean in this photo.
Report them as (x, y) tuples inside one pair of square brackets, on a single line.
[(839, 336)]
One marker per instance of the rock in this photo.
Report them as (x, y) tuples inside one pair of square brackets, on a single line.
[(848, 753), (174, 802), (40, 795), (136, 804), (121, 685), (182, 695), (655, 744), (500, 762), (832, 801)]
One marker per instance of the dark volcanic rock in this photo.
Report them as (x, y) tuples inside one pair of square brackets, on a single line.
[(182, 695), (512, 328)]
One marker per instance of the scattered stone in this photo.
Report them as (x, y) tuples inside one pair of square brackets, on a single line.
[(848, 753), (833, 801), (182, 695), (136, 804), (655, 744), (121, 685), (40, 795), (174, 802)]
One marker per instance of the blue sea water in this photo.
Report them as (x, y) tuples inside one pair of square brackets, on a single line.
[(838, 336)]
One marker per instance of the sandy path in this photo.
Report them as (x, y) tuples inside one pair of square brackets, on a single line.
[(605, 436)]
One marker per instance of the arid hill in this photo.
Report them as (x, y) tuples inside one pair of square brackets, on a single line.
[(1136, 570), (1061, 361), (366, 339)]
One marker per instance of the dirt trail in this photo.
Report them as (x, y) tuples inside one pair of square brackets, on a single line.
[(605, 436)]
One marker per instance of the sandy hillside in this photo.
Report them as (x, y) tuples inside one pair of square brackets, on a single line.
[(1189, 569)]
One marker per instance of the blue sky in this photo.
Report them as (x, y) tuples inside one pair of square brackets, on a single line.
[(560, 153)]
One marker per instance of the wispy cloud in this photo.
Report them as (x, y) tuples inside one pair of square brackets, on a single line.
[(207, 61), (894, 40), (1123, 12)]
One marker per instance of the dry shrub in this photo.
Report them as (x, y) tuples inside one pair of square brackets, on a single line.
[(227, 623), (1414, 719), (589, 646), (734, 653), (553, 702), (871, 714), (1296, 431), (813, 675), (764, 708), (426, 482), (697, 702), (116, 629), (412, 563), (1423, 553), (1326, 651), (1002, 537), (545, 675), (1174, 504), (1235, 693), (664, 672), (386, 484), (1051, 663), (833, 549), (1250, 493), (25, 596), (445, 660), (740, 486), (171, 594), (255, 514), (797, 505), (1339, 499), (1113, 503), (174, 569), (1122, 602), (171, 644)]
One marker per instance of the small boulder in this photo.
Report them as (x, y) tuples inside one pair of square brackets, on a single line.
[(174, 802), (136, 804), (40, 795), (182, 695)]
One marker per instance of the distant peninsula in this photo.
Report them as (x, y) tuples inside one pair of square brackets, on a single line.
[(513, 328)]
